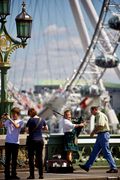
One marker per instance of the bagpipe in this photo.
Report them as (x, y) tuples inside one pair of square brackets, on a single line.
[(77, 130)]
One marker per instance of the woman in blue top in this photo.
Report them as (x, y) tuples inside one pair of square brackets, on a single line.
[(35, 125)]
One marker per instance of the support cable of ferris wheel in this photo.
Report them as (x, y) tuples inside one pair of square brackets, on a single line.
[(87, 47), (94, 19), (89, 55), (84, 36), (101, 31), (74, 4)]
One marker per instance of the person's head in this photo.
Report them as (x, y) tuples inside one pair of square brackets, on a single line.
[(15, 113), (94, 110), (32, 112), (67, 114)]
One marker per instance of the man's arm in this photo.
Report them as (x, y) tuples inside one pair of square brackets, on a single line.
[(96, 130), (82, 124)]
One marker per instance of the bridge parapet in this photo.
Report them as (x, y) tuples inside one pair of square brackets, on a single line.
[(54, 144)]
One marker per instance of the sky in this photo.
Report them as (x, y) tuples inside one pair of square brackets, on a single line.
[(54, 50)]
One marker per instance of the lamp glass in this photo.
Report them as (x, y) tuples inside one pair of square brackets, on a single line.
[(5, 7), (24, 29)]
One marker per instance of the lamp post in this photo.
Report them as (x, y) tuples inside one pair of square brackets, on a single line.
[(8, 45)]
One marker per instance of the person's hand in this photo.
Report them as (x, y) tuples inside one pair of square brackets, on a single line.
[(4, 116), (85, 123), (92, 134)]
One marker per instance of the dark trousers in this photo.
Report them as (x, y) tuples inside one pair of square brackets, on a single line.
[(11, 153), (35, 148)]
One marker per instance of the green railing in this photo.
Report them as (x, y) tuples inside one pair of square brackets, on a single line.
[(54, 144), (85, 143)]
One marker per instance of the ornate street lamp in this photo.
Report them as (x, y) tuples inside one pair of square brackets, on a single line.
[(24, 25), (8, 45)]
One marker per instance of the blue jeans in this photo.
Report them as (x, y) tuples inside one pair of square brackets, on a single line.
[(102, 144)]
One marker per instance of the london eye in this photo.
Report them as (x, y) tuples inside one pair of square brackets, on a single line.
[(81, 54)]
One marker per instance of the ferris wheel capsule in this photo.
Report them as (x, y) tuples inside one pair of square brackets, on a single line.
[(114, 22), (90, 91), (107, 61)]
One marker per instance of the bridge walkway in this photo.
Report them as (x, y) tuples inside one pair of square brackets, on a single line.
[(78, 174)]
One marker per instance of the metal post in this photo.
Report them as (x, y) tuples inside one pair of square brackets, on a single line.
[(5, 104), (7, 46)]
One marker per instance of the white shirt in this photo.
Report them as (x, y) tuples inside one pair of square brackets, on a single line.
[(68, 126), (61, 121)]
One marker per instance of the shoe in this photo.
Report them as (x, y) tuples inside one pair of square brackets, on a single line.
[(84, 167), (112, 171), (41, 177), (14, 177), (7, 177), (31, 177)]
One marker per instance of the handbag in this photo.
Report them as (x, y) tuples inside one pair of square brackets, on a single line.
[(28, 138)]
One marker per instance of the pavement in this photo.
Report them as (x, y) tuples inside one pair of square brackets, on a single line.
[(78, 174)]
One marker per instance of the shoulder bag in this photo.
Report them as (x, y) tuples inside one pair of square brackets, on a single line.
[(28, 138)]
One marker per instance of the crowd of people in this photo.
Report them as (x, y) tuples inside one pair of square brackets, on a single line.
[(35, 142)]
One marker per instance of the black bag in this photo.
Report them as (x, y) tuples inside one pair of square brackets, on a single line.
[(58, 166)]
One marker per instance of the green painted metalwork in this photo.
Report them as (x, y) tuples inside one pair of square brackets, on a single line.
[(54, 144), (8, 45)]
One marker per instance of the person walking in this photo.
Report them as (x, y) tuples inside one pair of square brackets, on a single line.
[(34, 127), (69, 130), (13, 126), (102, 142)]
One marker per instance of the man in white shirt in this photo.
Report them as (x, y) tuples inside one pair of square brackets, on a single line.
[(70, 136)]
